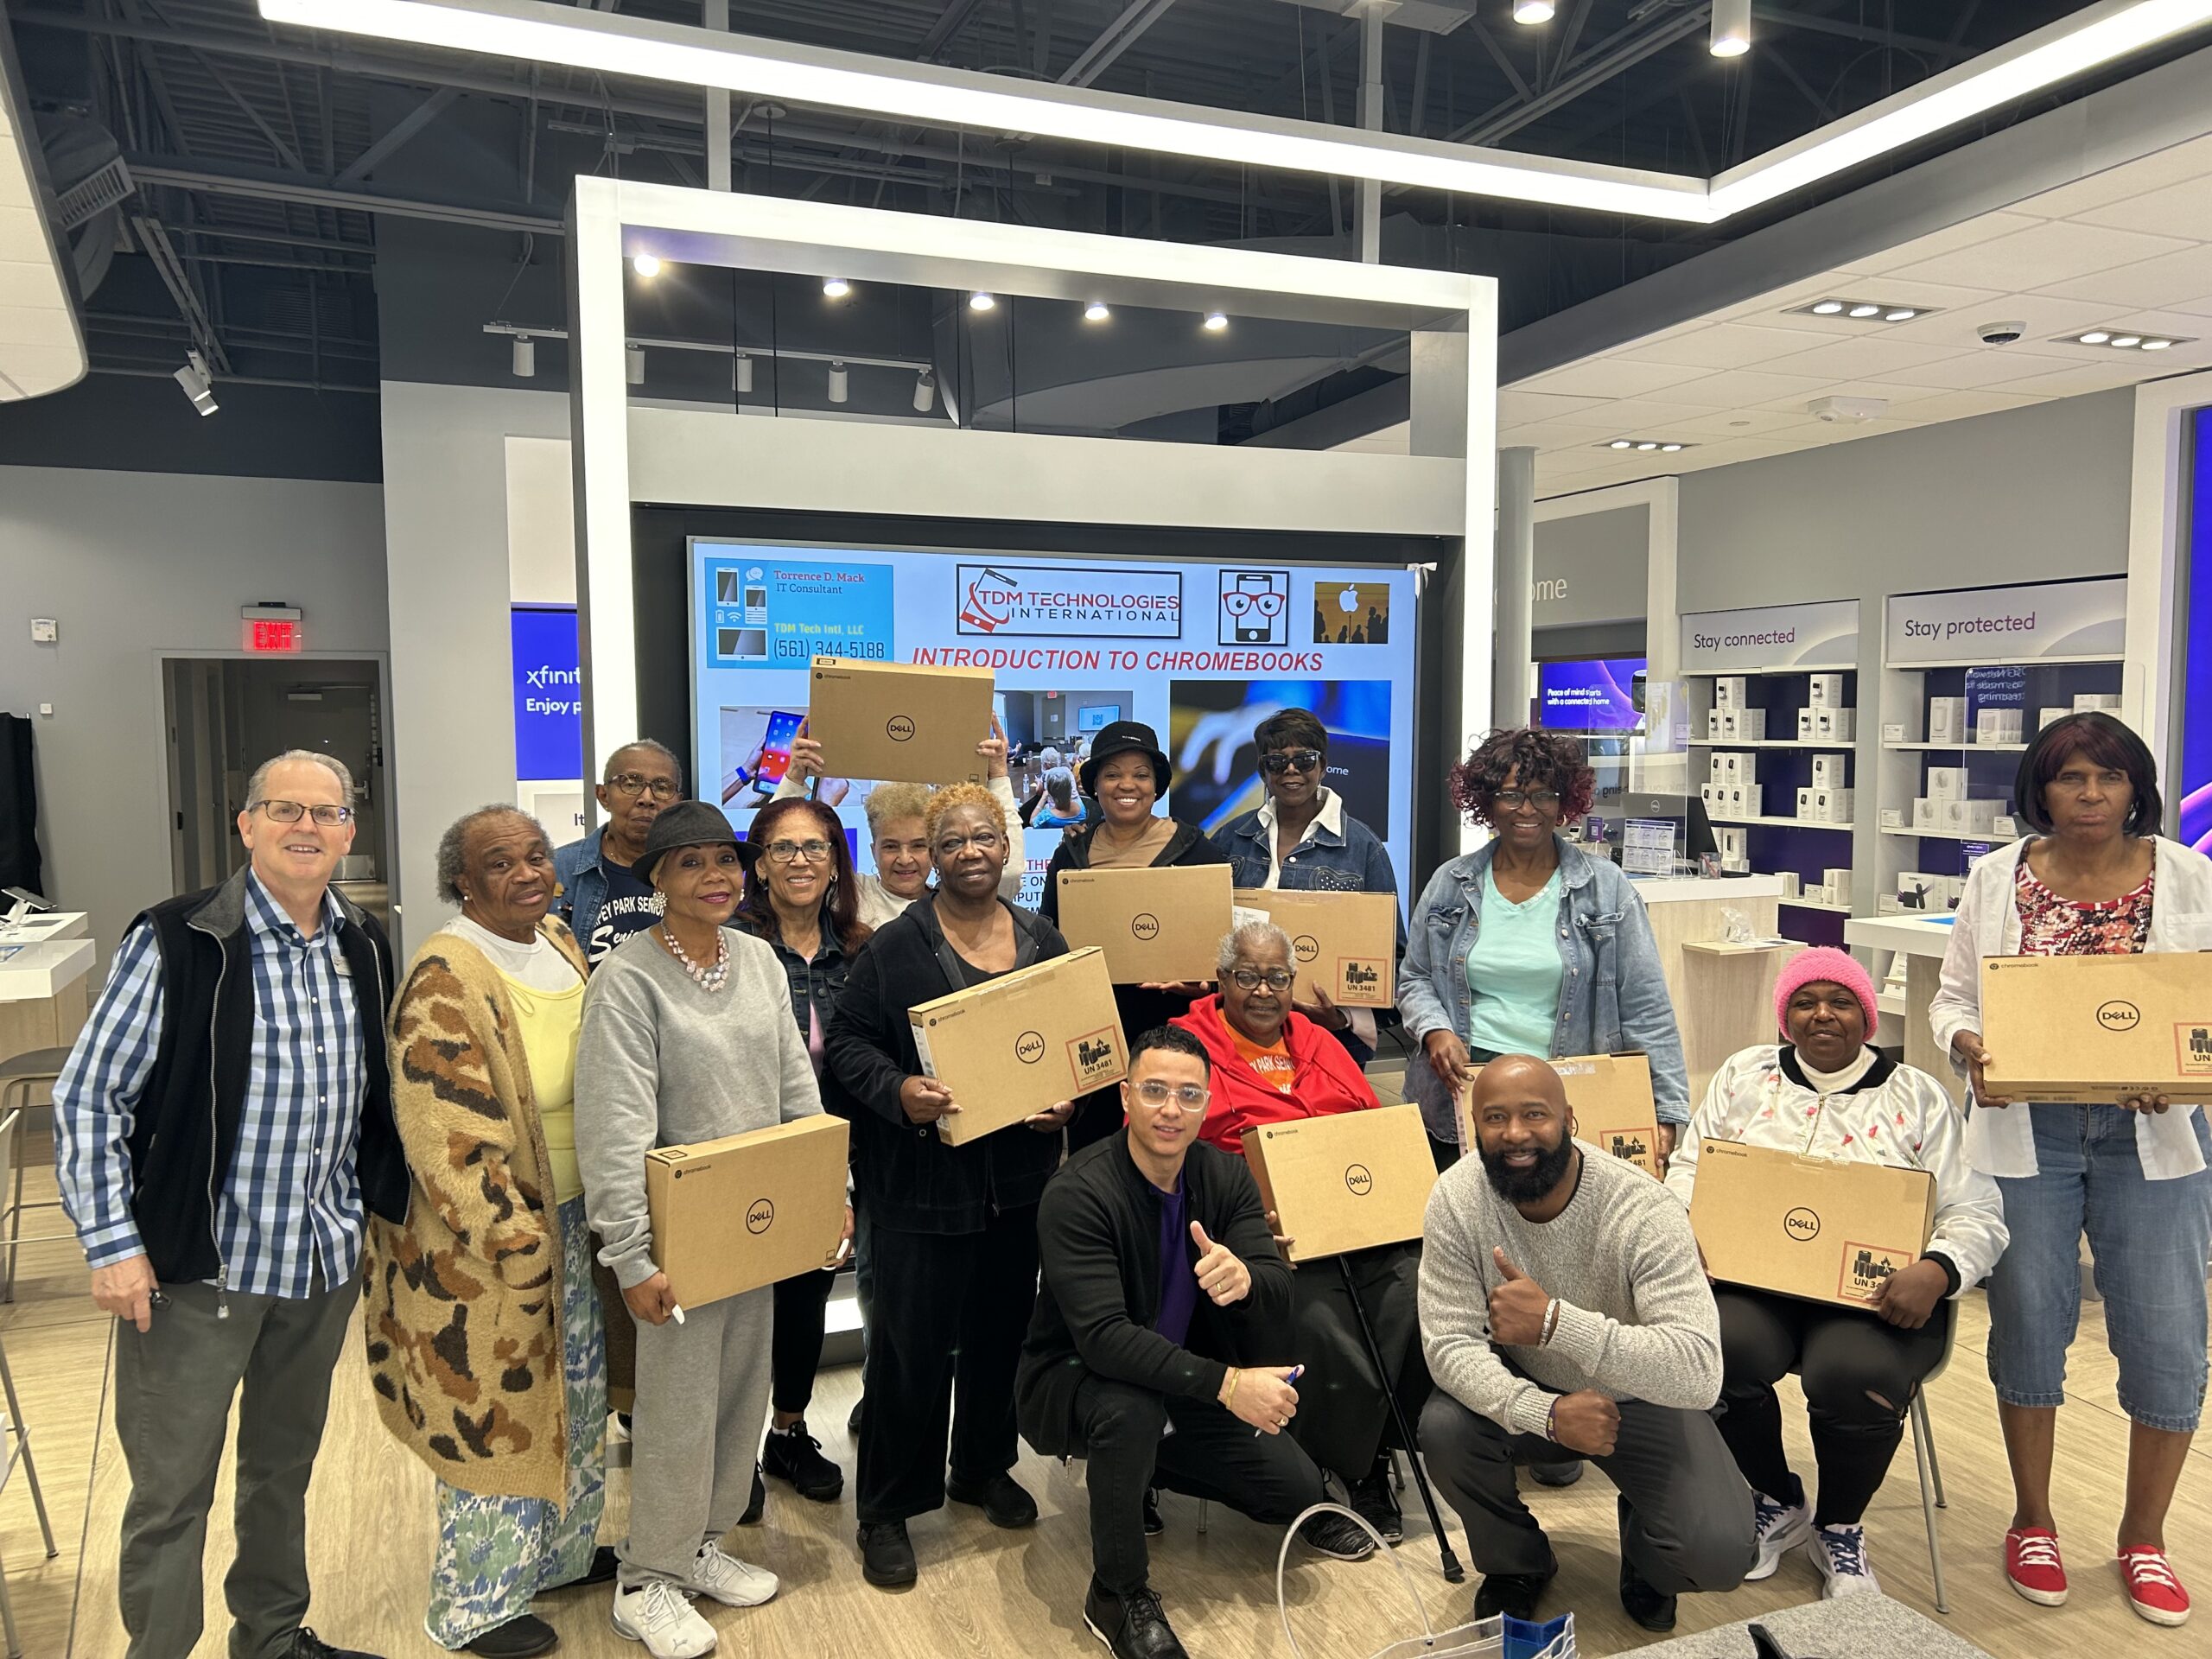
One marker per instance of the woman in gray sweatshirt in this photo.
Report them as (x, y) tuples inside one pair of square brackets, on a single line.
[(687, 1036)]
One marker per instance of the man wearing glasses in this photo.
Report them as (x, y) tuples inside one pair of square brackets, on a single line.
[(1300, 839), (601, 898), (1159, 1350), (221, 1127)]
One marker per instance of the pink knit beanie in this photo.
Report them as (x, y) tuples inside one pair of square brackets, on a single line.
[(1824, 962)]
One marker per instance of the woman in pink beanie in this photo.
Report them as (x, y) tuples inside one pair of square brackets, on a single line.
[(1826, 1091)]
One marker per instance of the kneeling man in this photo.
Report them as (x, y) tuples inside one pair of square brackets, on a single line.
[(1565, 1315), (1159, 1273)]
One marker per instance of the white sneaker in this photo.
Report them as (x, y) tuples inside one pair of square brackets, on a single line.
[(728, 1580), (657, 1614), (1781, 1527), (1840, 1553)]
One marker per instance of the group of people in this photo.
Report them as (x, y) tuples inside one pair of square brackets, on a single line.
[(264, 1122)]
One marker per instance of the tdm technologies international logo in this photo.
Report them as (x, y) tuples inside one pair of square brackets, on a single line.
[(1066, 600)]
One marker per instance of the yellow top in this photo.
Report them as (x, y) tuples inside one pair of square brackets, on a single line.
[(550, 1022)]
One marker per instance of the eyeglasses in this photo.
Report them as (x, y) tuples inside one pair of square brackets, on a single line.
[(292, 811), (1251, 979), (983, 840), (787, 851), (1514, 799), (629, 785), (1299, 759), (1155, 1094)]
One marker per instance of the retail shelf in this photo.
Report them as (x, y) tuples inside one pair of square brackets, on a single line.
[(2006, 662), (1891, 1003), (1732, 948), (1837, 745), (1787, 824), (1796, 668), (1815, 904), (1957, 748), (1948, 835)]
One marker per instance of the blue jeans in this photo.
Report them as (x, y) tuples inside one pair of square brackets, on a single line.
[(2150, 1241)]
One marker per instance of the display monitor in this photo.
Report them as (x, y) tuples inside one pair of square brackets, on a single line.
[(1601, 694)]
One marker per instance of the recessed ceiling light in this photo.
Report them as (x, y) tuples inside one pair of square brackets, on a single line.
[(835, 288), (1864, 311), (1646, 447), (2157, 345), (1903, 313), (645, 265), (1827, 308), (980, 300), (1216, 323), (2095, 337), (1861, 310), (1669, 449), (1095, 312), (1620, 443), (2126, 340)]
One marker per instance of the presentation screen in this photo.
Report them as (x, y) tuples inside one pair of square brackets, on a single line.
[(2195, 792), (1604, 695), (1201, 652)]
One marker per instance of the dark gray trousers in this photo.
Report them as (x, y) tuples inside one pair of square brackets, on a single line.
[(174, 1386), (1686, 1513)]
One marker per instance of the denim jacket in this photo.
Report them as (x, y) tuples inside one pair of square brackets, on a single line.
[(1355, 861), (583, 885), (1612, 996), (816, 985)]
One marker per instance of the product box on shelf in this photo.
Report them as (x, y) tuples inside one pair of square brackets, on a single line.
[(1838, 884), (1947, 783), (1817, 895), (1970, 817), (1947, 720), (1792, 884), (1156, 924), (1804, 725), (1833, 805), (1743, 725), (2006, 826), (1828, 691), (2087, 702), (1805, 802), (1829, 770), (731, 1215), (2051, 714), (897, 722), (1019, 1044), (1350, 1181), (1840, 724), (1345, 943), (1731, 842), (1998, 725), (2099, 1028), (1895, 817), (1816, 1228), (1925, 813), (1888, 904), (1729, 691)]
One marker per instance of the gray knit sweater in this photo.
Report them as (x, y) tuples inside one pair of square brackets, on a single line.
[(1636, 1322), (664, 1063)]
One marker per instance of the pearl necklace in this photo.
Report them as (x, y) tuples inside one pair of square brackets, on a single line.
[(709, 979)]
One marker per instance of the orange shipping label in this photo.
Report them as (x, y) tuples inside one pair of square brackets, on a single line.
[(2193, 1049), (1867, 1268)]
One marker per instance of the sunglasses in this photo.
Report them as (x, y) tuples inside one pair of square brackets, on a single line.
[(1285, 761)]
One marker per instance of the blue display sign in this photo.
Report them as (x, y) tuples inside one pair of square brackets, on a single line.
[(2194, 793), (548, 694)]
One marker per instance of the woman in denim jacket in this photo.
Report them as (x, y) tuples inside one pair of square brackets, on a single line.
[(1468, 993)]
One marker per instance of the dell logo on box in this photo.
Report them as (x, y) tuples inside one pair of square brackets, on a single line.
[(759, 1216), (1801, 1224), (898, 729), (1306, 946), (1145, 925), (2119, 1016), (1359, 1181), (1029, 1047)]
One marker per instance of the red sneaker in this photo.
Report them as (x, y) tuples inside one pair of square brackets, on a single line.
[(2031, 1564), (2153, 1589)]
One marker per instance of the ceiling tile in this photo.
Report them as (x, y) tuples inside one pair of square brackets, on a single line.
[(2146, 173), (2177, 281), (1968, 233), (1853, 358), (1516, 408), (1547, 435), (2041, 314), (2183, 209), (1717, 424), (1959, 406), (1991, 366), (1604, 377), (2083, 378), (1745, 389), (2043, 254), (1723, 345), (26, 284)]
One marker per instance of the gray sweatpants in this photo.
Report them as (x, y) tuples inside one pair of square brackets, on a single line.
[(174, 1385), (694, 1431)]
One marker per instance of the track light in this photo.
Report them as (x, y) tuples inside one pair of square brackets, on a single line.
[(1095, 312), (198, 385), (743, 372), (840, 383), (1533, 11), (835, 288), (525, 357), (980, 300), (925, 391), (646, 265), (1216, 323), (637, 366), (1731, 28)]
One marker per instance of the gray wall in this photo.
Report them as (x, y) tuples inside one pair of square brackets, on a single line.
[(134, 565), (1598, 562)]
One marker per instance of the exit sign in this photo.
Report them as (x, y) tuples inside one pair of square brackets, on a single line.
[(273, 628)]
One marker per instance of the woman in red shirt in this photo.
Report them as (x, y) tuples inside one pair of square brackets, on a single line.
[(1272, 1065)]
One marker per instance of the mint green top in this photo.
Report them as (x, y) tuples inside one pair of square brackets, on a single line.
[(1514, 972)]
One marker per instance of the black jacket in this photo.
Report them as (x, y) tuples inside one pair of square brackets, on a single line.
[(186, 1128), (1098, 1240), (819, 983), (1141, 1010), (908, 1177)]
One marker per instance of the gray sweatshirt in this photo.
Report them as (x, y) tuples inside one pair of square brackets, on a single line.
[(1636, 1320), (664, 1063)]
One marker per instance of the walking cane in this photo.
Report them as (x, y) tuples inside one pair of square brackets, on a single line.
[(1453, 1572)]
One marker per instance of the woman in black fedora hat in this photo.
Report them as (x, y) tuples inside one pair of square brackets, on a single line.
[(1128, 775)]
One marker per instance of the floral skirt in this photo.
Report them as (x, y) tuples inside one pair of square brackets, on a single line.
[(495, 1554)]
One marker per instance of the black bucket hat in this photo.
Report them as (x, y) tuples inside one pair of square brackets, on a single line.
[(1125, 737), (690, 823)]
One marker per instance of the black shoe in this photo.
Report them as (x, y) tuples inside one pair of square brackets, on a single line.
[(521, 1638), (1153, 1526), (305, 1644), (794, 1455), (1132, 1626), (852, 1422), (757, 1503), (887, 1555), (1374, 1502), (1514, 1594), (1336, 1535), (1654, 1611), (604, 1564), (1004, 1503), (1556, 1474)]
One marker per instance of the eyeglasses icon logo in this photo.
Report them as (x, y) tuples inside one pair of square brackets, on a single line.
[(898, 730), (1359, 1181), (1029, 1047), (1145, 925), (759, 1216)]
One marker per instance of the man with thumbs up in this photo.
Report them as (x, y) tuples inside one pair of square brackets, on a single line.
[(1158, 1348), (1565, 1315)]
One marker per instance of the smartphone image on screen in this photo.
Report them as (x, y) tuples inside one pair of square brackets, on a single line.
[(776, 750)]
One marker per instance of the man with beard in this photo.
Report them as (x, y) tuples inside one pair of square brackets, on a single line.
[(1565, 1315)]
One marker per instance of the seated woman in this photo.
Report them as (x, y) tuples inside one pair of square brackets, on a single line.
[(1272, 1065), (1056, 806), (1827, 1092)]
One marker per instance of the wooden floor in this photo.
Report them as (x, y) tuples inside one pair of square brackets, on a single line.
[(986, 1592)]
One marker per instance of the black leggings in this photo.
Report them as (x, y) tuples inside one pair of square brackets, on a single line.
[(802, 1303), (1859, 1375)]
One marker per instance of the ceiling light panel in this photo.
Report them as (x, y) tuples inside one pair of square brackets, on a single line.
[(932, 95), (1648, 446), (2126, 339), (1861, 310)]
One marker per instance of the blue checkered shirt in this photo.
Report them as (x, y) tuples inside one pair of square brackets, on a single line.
[(289, 1207)]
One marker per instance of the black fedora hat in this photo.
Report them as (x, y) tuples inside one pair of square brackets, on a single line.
[(1126, 737), (690, 823)]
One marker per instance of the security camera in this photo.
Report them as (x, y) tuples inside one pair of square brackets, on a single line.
[(2001, 333)]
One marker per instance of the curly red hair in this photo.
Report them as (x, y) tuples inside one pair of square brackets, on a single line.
[(1544, 759)]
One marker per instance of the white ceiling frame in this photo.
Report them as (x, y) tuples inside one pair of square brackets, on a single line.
[(2157, 536), (1451, 318), (934, 95)]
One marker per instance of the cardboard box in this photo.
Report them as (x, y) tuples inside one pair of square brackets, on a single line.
[(1614, 1109), (1817, 1228), (893, 722), (1947, 720), (1729, 691), (1020, 1043), (1970, 817), (1829, 771), (2099, 1028), (1346, 1182), (1835, 805), (732, 1215), (1828, 691), (1997, 725), (1805, 802), (1927, 814), (1839, 885), (1345, 942), (1839, 724), (1947, 783), (2085, 701), (1804, 724), (1154, 925)]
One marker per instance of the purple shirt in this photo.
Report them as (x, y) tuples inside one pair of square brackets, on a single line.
[(1179, 1286)]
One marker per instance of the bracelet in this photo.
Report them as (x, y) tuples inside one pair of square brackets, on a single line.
[(1551, 1323), (1551, 1420), (1234, 1376)]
